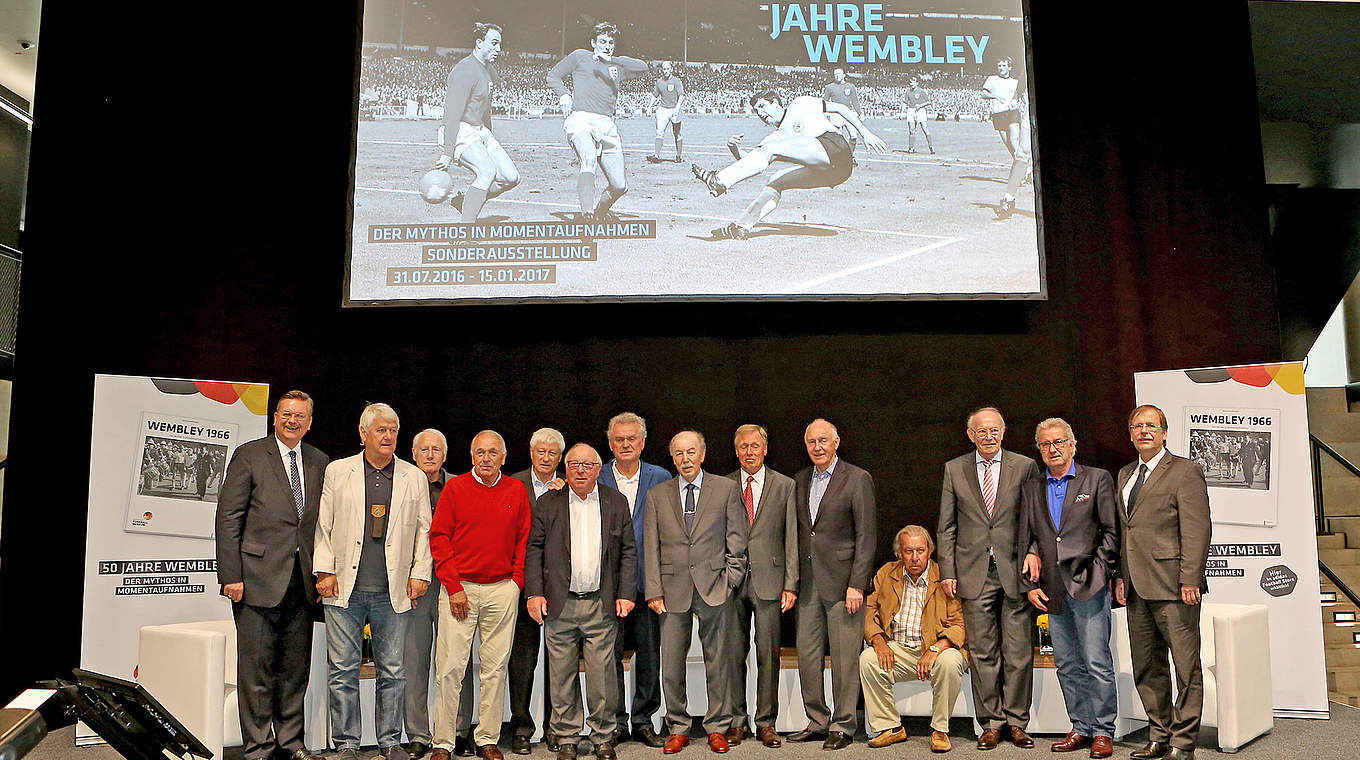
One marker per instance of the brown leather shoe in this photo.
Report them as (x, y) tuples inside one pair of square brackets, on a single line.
[(1020, 739), (676, 743), (718, 743), (939, 742), (439, 753), (891, 736), (734, 735), (769, 737), (490, 752), (989, 739), (1102, 746), (1071, 743)]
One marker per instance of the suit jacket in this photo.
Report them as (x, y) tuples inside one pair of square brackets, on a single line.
[(547, 559), (709, 558), (966, 532), (258, 530), (772, 546), (942, 616), (649, 477), (1080, 556), (526, 476), (837, 551), (1166, 540), (340, 528)]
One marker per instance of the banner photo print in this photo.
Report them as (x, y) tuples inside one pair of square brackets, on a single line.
[(158, 450), (1247, 429)]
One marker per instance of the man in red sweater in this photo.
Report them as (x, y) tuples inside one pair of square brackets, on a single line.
[(477, 539)]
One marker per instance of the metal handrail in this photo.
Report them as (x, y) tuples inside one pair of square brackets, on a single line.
[(1319, 507), (1340, 584)]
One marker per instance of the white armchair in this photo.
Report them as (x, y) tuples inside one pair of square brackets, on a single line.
[(190, 668), (1235, 658)]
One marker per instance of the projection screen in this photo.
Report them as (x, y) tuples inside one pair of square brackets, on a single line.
[(516, 151)]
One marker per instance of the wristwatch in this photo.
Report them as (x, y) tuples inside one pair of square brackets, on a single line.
[(935, 648)]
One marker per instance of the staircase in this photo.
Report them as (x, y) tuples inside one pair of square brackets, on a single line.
[(1331, 421)]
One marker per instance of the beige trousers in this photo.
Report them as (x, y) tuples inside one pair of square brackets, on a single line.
[(880, 709), (491, 613)]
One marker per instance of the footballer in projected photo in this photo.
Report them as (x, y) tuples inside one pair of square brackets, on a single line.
[(1232, 458), (579, 150), (181, 469)]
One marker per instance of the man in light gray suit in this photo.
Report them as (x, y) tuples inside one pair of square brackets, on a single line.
[(1164, 543), (836, 536), (695, 534), (771, 585), (979, 514)]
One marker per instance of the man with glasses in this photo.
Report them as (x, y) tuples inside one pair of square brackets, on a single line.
[(1164, 517), (979, 514), (579, 580), (545, 452), (1069, 524)]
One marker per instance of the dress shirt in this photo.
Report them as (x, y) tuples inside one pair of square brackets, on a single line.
[(627, 486), (1151, 465), (492, 484), (906, 626), (996, 469), (283, 452), (698, 486), (585, 542), (817, 487), (757, 486), (539, 487), (1057, 492)]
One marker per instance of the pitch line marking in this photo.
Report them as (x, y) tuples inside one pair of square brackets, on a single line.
[(869, 265), (943, 239)]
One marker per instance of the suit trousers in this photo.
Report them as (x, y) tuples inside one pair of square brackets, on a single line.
[(1001, 648), (273, 651), (585, 629), (748, 606), (715, 636), (880, 709), (523, 663), (822, 623), (417, 657), (1155, 627), (492, 609), (640, 632)]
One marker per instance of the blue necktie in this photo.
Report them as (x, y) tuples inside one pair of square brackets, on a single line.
[(295, 481), (689, 507)]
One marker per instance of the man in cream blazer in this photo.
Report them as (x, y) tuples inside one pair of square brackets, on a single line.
[(372, 558)]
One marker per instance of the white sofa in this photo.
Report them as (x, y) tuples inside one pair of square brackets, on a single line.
[(190, 668), (1235, 659)]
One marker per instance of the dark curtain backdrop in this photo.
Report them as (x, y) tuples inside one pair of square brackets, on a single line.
[(187, 218)]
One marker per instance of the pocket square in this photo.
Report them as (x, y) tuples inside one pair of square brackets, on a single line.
[(1083, 496)]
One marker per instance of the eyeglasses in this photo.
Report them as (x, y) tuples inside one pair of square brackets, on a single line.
[(582, 465), (1144, 426), (986, 431), (1058, 444)]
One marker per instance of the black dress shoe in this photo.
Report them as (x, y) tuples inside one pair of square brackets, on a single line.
[(1180, 754), (605, 751), (302, 754), (566, 751), (550, 741), (520, 745), (808, 734), (1150, 751), (836, 740), (648, 736), (416, 749), (462, 746)]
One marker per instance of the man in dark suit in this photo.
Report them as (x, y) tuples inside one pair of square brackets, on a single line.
[(696, 540), (578, 577), (1164, 516), (771, 584), (266, 525), (641, 631), (836, 536), (545, 452), (979, 513), (1070, 525)]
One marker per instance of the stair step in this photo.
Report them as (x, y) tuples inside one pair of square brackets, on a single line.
[(1338, 635), (1336, 558), (1349, 574), (1332, 541), (1344, 678), (1340, 657), (1352, 699)]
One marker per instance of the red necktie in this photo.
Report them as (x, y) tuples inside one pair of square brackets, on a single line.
[(988, 485), (750, 501)]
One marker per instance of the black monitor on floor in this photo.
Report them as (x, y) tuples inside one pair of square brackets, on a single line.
[(123, 713)]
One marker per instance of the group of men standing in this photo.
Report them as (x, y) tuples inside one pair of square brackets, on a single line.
[(602, 559)]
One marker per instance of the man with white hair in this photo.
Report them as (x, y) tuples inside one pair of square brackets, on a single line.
[(545, 453), (477, 540), (428, 450), (372, 559)]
